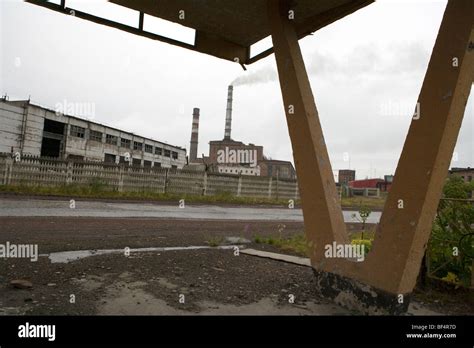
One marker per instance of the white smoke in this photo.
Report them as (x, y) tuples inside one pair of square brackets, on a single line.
[(263, 75)]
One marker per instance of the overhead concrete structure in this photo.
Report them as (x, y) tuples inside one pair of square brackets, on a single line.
[(227, 28), (383, 282)]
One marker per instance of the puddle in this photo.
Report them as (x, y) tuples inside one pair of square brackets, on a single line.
[(237, 240), (69, 256)]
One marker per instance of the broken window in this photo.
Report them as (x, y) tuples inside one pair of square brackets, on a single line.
[(137, 145), (95, 136), (111, 139), (125, 143), (78, 132)]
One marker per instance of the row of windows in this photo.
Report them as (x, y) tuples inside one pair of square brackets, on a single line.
[(80, 132), (237, 171), (109, 158)]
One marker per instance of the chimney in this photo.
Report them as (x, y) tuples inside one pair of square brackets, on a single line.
[(228, 114), (194, 137)]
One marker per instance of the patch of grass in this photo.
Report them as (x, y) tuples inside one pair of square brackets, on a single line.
[(299, 245), (296, 244), (368, 234), (99, 190), (214, 241), (370, 202)]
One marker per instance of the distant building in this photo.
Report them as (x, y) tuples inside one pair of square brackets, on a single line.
[(34, 130), (464, 173), (365, 183), (229, 156), (383, 185), (346, 175), (278, 169)]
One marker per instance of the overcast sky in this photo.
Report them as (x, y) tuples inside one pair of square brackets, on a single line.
[(366, 72)]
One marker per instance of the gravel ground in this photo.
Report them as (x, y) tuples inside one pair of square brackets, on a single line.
[(207, 281)]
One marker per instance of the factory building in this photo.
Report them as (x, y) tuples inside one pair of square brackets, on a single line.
[(467, 174), (277, 169), (229, 156), (34, 130), (346, 175)]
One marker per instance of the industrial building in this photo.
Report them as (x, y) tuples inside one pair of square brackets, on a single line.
[(37, 131), (464, 173), (385, 281), (346, 175), (229, 156), (384, 185)]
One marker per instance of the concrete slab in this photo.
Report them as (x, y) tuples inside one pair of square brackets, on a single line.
[(279, 257)]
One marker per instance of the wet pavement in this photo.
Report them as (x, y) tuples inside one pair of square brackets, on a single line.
[(62, 208)]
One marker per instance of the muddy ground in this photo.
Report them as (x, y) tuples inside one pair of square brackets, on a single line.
[(207, 281)]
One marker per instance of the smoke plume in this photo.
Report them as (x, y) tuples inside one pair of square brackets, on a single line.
[(263, 75)]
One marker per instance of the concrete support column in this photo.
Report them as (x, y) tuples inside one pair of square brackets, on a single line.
[(165, 183), (204, 183), (69, 168), (239, 186), (120, 182), (270, 182), (321, 211), (406, 222), (7, 177), (385, 279)]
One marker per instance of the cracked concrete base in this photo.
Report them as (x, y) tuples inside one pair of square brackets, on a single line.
[(355, 295), (127, 297)]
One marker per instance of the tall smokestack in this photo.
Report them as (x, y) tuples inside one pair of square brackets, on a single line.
[(193, 149), (228, 114)]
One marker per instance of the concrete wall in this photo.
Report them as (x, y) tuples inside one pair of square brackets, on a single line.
[(281, 169), (122, 178), (11, 118)]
